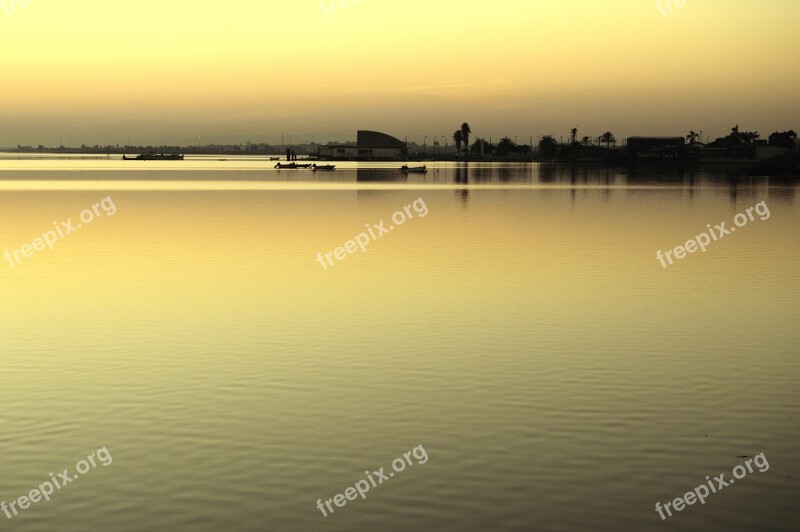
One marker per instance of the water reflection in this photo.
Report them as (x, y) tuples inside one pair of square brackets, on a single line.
[(781, 194), (462, 177), (688, 182), (380, 175)]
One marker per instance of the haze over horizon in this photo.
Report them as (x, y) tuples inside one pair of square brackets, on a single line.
[(168, 73)]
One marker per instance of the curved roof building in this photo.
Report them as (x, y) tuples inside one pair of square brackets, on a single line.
[(371, 146), (377, 140), (376, 146)]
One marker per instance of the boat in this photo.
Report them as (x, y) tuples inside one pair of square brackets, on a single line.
[(291, 166), (154, 157), (327, 167), (414, 169)]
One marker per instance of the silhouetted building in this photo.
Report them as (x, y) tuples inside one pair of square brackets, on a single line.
[(337, 152), (376, 146), (656, 147), (371, 146)]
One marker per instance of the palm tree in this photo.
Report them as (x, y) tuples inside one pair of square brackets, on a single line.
[(465, 131), (586, 141), (692, 137), (458, 139), (609, 139), (740, 137), (505, 146), (548, 146), (750, 136), (573, 135)]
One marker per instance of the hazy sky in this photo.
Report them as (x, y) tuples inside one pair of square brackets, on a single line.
[(102, 71)]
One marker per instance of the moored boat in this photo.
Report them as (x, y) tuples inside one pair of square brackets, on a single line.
[(326, 167), (154, 157), (291, 166), (414, 169)]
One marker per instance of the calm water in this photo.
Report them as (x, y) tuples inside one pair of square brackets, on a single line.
[(522, 331)]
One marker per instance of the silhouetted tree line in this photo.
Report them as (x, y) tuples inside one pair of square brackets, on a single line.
[(786, 140), (736, 139)]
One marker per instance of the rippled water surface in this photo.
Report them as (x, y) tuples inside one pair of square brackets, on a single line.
[(522, 331)]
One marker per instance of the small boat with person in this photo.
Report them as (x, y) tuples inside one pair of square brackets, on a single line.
[(414, 169)]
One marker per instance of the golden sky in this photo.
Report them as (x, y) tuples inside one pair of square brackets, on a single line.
[(99, 71)]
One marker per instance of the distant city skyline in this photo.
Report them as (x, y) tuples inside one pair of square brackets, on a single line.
[(416, 69)]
